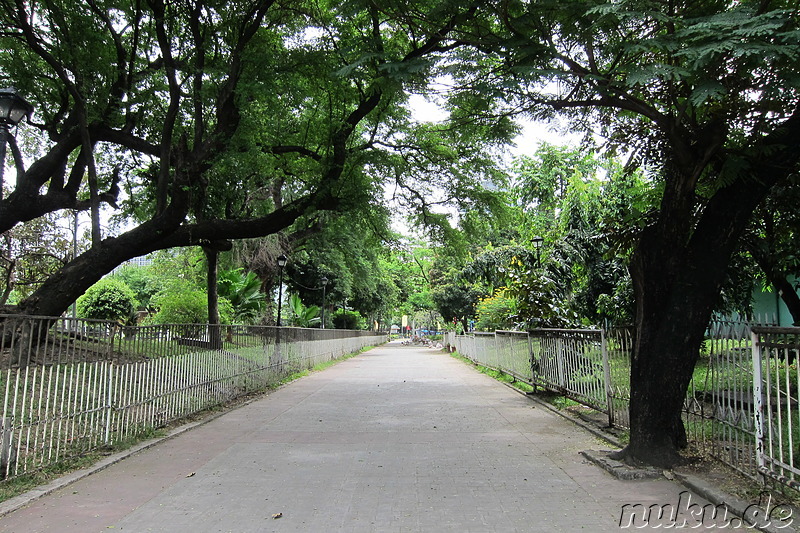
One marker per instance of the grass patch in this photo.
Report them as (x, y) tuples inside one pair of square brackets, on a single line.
[(22, 484), (561, 402), (499, 375)]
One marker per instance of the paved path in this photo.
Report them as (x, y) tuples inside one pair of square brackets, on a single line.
[(397, 439)]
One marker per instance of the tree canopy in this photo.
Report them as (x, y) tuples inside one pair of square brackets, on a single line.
[(205, 122), (202, 122), (704, 96)]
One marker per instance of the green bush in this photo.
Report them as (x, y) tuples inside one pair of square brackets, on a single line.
[(496, 312), (302, 316), (244, 293), (108, 299), (185, 304), (141, 280), (347, 320)]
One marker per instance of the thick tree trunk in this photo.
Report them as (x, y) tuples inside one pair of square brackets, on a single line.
[(214, 332), (666, 351), (678, 270), (678, 273)]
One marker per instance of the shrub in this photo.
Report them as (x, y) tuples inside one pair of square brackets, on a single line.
[(496, 312), (141, 280), (302, 316), (347, 320), (244, 293), (108, 299), (186, 304), (180, 307)]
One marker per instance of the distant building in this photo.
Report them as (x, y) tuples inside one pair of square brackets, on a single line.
[(141, 261), (769, 306)]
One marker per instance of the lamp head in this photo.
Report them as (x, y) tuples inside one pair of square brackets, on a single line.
[(13, 108)]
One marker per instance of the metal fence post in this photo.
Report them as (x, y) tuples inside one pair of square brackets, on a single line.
[(758, 407), (607, 376), (109, 407), (562, 379), (530, 357), (496, 362)]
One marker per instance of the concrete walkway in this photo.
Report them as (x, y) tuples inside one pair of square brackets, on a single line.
[(397, 439)]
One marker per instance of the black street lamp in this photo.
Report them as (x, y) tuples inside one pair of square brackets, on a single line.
[(324, 282), (281, 264), (13, 108), (537, 245)]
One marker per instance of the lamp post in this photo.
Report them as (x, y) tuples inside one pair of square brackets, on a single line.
[(281, 264), (324, 282), (13, 108), (537, 244)]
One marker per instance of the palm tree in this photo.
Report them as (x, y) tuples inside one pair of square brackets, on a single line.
[(243, 291)]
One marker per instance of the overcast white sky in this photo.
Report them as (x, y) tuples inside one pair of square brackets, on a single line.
[(531, 135), (532, 132)]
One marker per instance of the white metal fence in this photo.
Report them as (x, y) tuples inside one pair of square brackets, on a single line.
[(70, 386), (741, 407), (577, 363), (728, 394), (777, 411)]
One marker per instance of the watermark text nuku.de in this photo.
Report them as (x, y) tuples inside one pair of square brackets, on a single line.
[(689, 515)]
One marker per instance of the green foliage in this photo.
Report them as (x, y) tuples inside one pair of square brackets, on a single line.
[(491, 264), (255, 109), (302, 316), (617, 307), (142, 281), (31, 253), (496, 312), (343, 319), (184, 303), (456, 302), (243, 291), (182, 306), (538, 299), (108, 299), (543, 179), (590, 224), (185, 264)]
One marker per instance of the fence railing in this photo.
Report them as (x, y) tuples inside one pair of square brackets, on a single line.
[(741, 407), (70, 386), (728, 393), (775, 397), (581, 364)]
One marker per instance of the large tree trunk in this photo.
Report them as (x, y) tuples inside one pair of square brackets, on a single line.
[(214, 332), (678, 269), (678, 272), (670, 325)]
